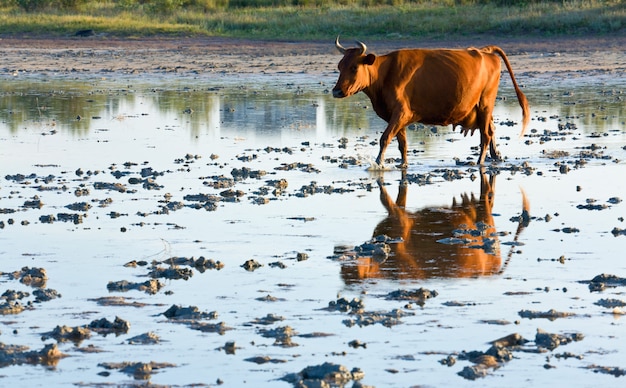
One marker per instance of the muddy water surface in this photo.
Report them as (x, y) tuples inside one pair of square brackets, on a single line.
[(239, 239)]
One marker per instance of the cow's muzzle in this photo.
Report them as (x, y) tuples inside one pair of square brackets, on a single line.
[(338, 93)]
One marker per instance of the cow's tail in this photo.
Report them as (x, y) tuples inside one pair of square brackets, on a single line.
[(523, 102), (524, 221)]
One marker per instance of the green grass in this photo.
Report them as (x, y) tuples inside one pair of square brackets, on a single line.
[(408, 20)]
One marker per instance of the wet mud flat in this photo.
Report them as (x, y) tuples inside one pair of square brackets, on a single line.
[(205, 232)]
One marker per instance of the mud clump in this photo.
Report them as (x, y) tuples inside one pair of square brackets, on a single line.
[(387, 319), (45, 295), (551, 341), (550, 314), (269, 319), (200, 264), (282, 336), (149, 286), (80, 333), (18, 355), (251, 265), (344, 305), (104, 326), (418, 296), (139, 370), (72, 334), (609, 370), (34, 277), (148, 338), (326, 374), (8, 308), (171, 273), (177, 312), (602, 281), (501, 351)]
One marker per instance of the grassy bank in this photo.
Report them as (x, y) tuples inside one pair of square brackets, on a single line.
[(406, 20)]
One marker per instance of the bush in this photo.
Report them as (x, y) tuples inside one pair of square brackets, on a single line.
[(38, 5)]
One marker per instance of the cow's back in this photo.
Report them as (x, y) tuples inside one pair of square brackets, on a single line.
[(441, 86)]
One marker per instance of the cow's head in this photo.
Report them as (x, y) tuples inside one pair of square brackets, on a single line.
[(354, 74)]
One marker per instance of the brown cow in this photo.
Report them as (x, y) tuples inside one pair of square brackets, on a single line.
[(437, 87), (418, 252)]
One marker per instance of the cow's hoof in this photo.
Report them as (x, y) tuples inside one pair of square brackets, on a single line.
[(402, 166)]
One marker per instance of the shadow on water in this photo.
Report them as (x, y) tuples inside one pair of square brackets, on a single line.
[(456, 241)]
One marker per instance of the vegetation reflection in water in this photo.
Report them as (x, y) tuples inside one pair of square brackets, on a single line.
[(79, 107)]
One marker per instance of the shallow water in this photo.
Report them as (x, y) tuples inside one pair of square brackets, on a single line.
[(71, 139)]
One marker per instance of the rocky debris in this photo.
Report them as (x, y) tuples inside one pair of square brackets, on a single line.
[(610, 303), (282, 336), (104, 326), (192, 315), (265, 360), (324, 375), (418, 296), (112, 187), (342, 304), (268, 320), (34, 277), (67, 217), (201, 264), (8, 308), (551, 341), (177, 312), (243, 173), (269, 298), (79, 206), (12, 295), (205, 327), (139, 370), (377, 248), (49, 355), (66, 333), (501, 351), (387, 319), (34, 203), (357, 344), (172, 273), (45, 295), (609, 370), (149, 286), (550, 314), (618, 232), (251, 265), (602, 281), (229, 347), (116, 301), (148, 338)]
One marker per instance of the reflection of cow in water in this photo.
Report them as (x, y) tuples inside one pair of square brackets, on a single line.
[(468, 244)]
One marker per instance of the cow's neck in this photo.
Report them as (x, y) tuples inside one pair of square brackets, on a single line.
[(375, 91)]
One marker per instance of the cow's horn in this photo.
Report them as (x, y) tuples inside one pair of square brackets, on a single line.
[(363, 46), (339, 46)]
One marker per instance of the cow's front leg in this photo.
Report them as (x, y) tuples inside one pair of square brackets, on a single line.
[(402, 146), (395, 128), (385, 139)]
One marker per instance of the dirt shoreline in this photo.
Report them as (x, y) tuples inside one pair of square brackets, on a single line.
[(240, 56)]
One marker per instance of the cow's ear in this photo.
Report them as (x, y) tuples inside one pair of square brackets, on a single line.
[(369, 59)]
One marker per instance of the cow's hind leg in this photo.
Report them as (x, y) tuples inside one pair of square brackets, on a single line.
[(493, 150), (487, 139), (402, 146)]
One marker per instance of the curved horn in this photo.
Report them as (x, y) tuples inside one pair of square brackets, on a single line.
[(339, 46), (362, 46)]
